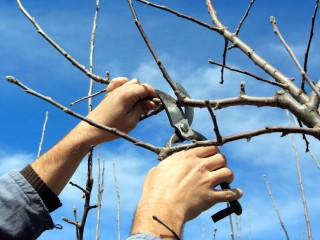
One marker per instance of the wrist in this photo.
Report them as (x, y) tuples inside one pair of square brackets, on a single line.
[(90, 135), (157, 220)]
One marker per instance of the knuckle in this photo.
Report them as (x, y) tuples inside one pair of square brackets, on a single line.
[(229, 195), (222, 158), (229, 175)]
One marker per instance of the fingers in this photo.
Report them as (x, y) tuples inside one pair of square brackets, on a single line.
[(222, 175), (225, 195), (203, 152), (115, 83)]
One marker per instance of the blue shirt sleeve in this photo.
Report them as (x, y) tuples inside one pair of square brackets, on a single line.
[(142, 236), (23, 213)]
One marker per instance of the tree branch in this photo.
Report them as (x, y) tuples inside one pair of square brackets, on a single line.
[(89, 121), (306, 55), (268, 68), (42, 135), (154, 54), (61, 50), (178, 14), (284, 130), (275, 207), (283, 86), (244, 17), (302, 72)]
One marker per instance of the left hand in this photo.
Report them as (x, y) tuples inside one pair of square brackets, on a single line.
[(122, 107)]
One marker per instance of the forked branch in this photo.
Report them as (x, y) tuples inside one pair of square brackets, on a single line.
[(60, 49)]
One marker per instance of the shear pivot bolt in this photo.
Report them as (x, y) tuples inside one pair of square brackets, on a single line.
[(184, 127)]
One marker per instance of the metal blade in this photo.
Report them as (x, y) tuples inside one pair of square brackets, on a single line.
[(188, 111), (176, 115)]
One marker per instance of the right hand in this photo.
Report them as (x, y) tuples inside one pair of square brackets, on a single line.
[(183, 186)]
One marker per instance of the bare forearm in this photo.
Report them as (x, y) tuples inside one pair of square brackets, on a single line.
[(58, 164)]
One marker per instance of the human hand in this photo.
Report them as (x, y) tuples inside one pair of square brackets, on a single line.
[(122, 108), (181, 187)]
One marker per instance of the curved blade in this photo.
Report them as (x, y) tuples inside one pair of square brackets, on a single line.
[(188, 111), (176, 115)]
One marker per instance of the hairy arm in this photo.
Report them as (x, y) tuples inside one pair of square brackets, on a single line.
[(122, 108)]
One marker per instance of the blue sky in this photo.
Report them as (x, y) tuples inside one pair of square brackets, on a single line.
[(184, 49)]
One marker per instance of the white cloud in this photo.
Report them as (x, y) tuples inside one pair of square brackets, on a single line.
[(14, 161)]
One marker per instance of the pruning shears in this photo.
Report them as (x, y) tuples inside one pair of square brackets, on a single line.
[(181, 121)]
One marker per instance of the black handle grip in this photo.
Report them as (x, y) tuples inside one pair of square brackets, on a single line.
[(234, 207)]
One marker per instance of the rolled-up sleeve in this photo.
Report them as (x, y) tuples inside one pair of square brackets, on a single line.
[(23, 213), (142, 236)]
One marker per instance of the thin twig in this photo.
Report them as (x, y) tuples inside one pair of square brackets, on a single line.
[(304, 201), (308, 149), (284, 86), (231, 225), (60, 49), (178, 14), (302, 72), (215, 123), (92, 47), (78, 186), (244, 17), (215, 233), (224, 59), (89, 96), (76, 220), (154, 54), (249, 222), (238, 225), (100, 192), (118, 198), (306, 55), (42, 135), (275, 207)]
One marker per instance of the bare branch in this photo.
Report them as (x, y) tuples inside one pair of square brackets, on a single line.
[(275, 207), (154, 54), (77, 115), (284, 86), (304, 201), (60, 49), (87, 206), (42, 135), (231, 225), (166, 151), (77, 186), (215, 123), (69, 221), (224, 57), (92, 47), (302, 72), (215, 233), (309, 116), (89, 96), (249, 222), (306, 55), (100, 192), (244, 17), (263, 64), (238, 225), (178, 14), (118, 198)]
